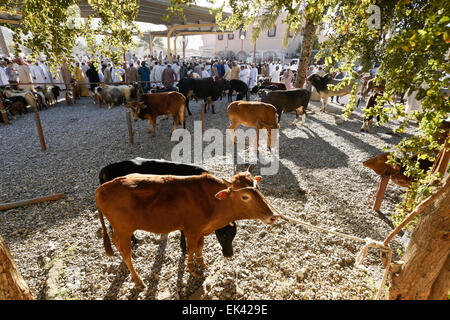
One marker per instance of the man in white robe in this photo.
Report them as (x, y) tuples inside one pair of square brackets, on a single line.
[(253, 76), (4, 81), (38, 74)]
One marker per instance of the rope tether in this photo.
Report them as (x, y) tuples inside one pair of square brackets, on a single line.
[(361, 254)]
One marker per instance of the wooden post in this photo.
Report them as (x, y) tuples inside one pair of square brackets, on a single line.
[(130, 128), (99, 101), (10, 205), (3, 110), (39, 129), (380, 192)]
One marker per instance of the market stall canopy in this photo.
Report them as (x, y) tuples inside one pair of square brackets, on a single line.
[(153, 11)]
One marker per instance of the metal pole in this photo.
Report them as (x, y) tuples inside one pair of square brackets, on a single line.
[(184, 47), (203, 116), (151, 44), (175, 47), (39, 129)]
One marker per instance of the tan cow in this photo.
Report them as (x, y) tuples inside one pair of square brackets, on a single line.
[(153, 105), (198, 205), (254, 114)]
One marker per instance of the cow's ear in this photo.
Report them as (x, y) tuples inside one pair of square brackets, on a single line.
[(258, 178), (222, 195)]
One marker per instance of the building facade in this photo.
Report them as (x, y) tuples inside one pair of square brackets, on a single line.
[(237, 45)]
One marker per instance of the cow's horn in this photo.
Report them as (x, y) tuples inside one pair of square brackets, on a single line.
[(250, 168)]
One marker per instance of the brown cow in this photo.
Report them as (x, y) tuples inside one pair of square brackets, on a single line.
[(153, 105), (198, 205), (255, 114), (371, 85), (396, 173)]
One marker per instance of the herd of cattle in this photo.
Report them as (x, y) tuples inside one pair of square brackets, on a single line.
[(143, 194), (207, 89), (162, 196)]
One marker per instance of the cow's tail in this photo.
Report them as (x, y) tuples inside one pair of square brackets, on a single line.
[(106, 240)]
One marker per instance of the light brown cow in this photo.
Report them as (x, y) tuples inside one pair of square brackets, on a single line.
[(198, 205), (255, 114), (153, 105)]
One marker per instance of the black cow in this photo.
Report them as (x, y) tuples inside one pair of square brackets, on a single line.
[(224, 235), (14, 105), (205, 88), (287, 101), (236, 85), (55, 91), (163, 89), (268, 82), (271, 87)]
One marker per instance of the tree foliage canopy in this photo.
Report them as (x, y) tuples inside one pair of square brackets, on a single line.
[(51, 27), (412, 46), (409, 39)]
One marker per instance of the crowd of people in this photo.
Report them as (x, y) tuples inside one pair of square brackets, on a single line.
[(26, 74)]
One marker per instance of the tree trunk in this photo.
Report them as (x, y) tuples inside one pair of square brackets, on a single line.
[(3, 45), (12, 285), (309, 31), (425, 271)]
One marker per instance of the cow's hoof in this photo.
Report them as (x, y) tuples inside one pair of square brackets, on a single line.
[(139, 286)]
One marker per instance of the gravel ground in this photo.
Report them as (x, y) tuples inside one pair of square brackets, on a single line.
[(321, 180)]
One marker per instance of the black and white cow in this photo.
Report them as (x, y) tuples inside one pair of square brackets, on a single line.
[(206, 89), (321, 85)]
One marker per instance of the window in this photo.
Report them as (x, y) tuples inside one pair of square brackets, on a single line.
[(220, 37), (230, 36), (242, 34), (272, 32)]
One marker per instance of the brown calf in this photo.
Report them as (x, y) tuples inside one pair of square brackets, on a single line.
[(153, 105), (396, 173), (198, 205), (255, 114)]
